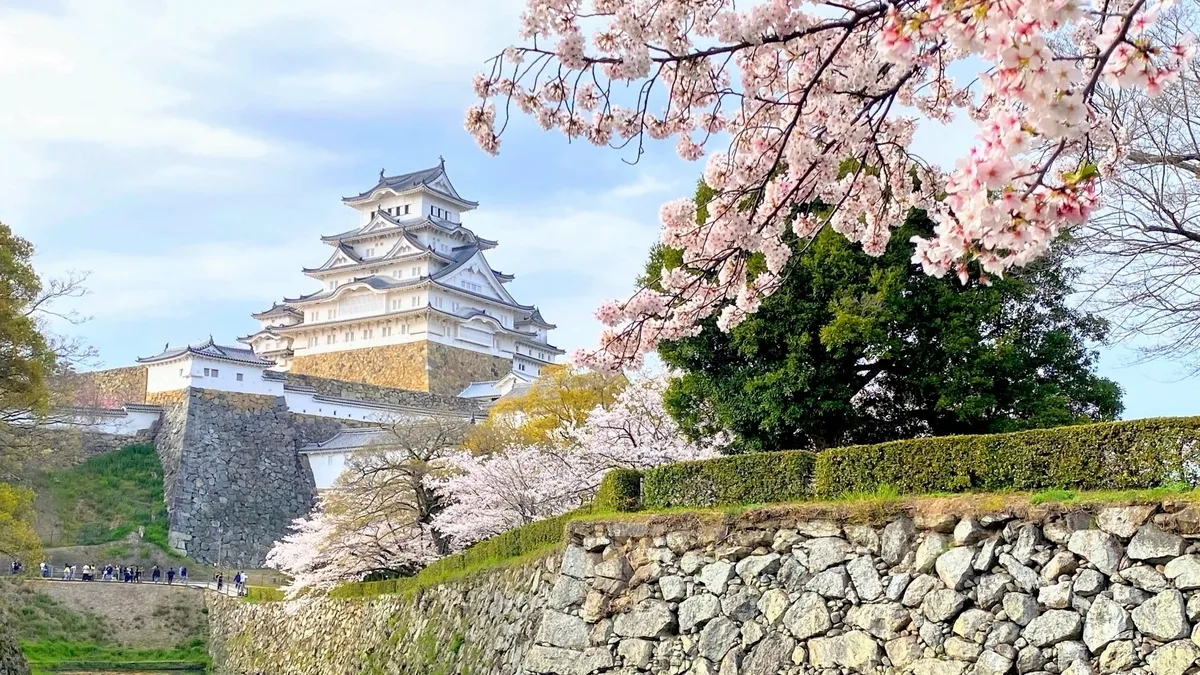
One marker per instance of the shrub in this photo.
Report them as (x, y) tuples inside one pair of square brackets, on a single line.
[(620, 491), (1106, 456), (753, 478)]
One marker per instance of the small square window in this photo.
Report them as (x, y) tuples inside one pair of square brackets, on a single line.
[(215, 373), (207, 372), (239, 377)]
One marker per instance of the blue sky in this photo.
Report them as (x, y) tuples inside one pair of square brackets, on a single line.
[(189, 155)]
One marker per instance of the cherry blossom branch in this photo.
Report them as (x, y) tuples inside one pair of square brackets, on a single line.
[(813, 119)]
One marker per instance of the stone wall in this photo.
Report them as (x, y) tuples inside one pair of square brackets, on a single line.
[(369, 392), (399, 366), (110, 388), (11, 660), (232, 479), (1015, 590), (416, 366), (63, 447), (451, 369)]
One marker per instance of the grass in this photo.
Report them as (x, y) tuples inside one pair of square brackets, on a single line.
[(63, 654), (105, 498), (55, 637)]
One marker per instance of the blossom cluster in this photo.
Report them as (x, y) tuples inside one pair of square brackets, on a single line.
[(817, 104), (335, 544), (488, 495)]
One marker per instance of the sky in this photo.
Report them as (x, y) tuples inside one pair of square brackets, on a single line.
[(188, 156)]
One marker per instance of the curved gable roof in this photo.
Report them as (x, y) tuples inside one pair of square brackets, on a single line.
[(433, 180), (210, 350)]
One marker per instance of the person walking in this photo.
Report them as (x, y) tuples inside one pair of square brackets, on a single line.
[(66, 572), (155, 574), (137, 574), (182, 574), (170, 576), (220, 581), (45, 570)]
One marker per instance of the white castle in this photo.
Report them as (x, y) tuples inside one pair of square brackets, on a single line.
[(407, 300)]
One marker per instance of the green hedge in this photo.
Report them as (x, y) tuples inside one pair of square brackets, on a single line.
[(522, 541), (620, 491), (1106, 456), (753, 478)]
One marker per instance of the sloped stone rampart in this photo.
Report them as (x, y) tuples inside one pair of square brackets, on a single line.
[(376, 394), (232, 479), (11, 660), (418, 366), (109, 388), (1110, 590), (401, 366)]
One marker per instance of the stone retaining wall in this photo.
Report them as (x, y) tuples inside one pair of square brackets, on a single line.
[(110, 388), (376, 394), (1111, 590), (64, 447), (232, 479), (11, 660), (417, 366)]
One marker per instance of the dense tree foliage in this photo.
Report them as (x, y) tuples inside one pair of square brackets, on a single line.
[(559, 398), (854, 348)]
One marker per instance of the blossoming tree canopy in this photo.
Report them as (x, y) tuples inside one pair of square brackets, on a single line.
[(816, 103)]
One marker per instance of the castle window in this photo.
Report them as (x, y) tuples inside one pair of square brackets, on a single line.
[(404, 328), (332, 285), (181, 372), (370, 253), (239, 377), (406, 209), (414, 301)]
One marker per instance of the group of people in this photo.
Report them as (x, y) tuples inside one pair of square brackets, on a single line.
[(239, 582), (129, 574), (132, 574)]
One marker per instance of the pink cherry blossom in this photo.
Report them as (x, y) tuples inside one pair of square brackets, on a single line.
[(491, 494), (817, 102)]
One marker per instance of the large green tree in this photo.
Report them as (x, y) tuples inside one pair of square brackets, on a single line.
[(854, 349)]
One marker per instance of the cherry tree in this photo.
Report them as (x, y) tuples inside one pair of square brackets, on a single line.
[(489, 494), (377, 518), (815, 103)]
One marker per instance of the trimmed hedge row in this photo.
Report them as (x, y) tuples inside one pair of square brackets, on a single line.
[(754, 478), (1105, 456), (516, 543), (619, 491)]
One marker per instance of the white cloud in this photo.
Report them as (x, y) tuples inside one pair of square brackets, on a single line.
[(126, 92), (578, 257), (156, 285)]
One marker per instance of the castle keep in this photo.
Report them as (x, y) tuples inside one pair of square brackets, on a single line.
[(410, 322)]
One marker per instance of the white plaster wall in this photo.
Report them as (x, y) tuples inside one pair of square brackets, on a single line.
[(126, 423), (189, 372), (326, 467), (169, 375)]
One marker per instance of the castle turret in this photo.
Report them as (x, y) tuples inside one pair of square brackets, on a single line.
[(407, 299)]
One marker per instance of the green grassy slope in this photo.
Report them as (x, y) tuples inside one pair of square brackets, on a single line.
[(53, 636), (103, 499)]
